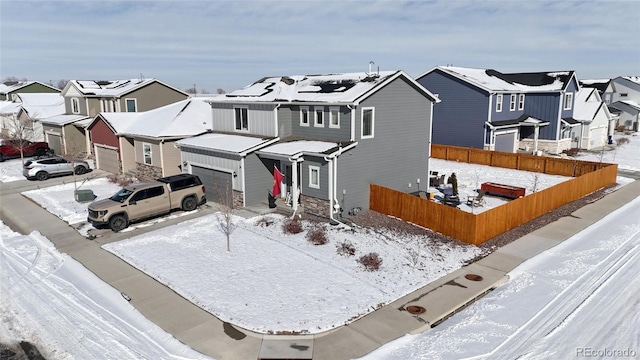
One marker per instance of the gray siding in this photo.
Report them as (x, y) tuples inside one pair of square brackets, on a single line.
[(260, 116), (214, 160), (323, 191), (459, 118), (398, 153), (285, 121), (259, 179), (325, 132)]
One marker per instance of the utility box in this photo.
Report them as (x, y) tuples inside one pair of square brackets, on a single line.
[(84, 195)]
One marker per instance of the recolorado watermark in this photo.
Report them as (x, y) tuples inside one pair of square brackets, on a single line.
[(588, 352)]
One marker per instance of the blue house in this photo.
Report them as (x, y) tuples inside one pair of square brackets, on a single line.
[(330, 135), (487, 109)]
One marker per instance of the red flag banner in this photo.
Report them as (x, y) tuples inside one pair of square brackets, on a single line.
[(277, 179)]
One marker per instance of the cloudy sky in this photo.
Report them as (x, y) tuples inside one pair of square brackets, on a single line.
[(230, 44)]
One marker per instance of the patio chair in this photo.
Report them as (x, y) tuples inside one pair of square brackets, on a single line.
[(477, 200)]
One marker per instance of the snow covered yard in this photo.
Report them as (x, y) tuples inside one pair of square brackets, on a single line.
[(11, 170), (626, 156), (274, 282), (55, 303)]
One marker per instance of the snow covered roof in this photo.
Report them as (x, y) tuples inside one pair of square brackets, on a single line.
[(600, 84), (11, 86), (62, 119), (183, 118), (332, 88), (9, 107), (229, 143), (296, 148), (635, 79), (41, 99), (111, 88), (634, 105), (585, 109), (495, 81), (42, 106)]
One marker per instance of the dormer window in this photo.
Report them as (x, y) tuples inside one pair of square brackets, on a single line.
[(75, 105), (568, 101)]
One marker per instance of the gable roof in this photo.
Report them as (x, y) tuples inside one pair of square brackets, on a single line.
[(41, 99), (63, 119), (586, 109), (11, 86), (181, 119), (40, 107), (599, 84), (494, 81), (635, 79), (348, 88), (111, 88)]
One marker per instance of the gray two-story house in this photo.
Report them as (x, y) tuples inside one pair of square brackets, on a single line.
[(487, 109), (330, 135), (623, 95)]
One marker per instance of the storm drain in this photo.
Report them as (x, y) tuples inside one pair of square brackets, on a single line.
[(473, 277), (415, 310)]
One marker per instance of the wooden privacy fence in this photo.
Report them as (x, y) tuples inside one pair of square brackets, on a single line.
[(476, 229)]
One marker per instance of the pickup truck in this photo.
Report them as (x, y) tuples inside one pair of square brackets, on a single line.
[(144, 200), (10, 148)]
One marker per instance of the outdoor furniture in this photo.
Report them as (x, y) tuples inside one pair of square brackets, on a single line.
[(507, 191), (451, 200), (477, 200)]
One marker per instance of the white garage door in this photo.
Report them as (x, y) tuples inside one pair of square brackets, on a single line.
[(55, 143), (506, 142), (597, 137), (107, 159)]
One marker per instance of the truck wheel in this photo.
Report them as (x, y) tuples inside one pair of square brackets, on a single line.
[(41, 151), (42, 175), (80, 170), (189, 204), (1, 158), (118, 222)]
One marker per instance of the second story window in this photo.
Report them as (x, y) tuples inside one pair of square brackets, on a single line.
[(132, 105), (368, 119), (75, 105), (334, 117), (319, 116), (499, 103), (568, 101), (241, 118), (512, 102), (304, 116), (521, 102), (108, 105)]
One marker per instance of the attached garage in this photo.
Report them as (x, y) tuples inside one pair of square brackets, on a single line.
[(55, 142), (107, 158), (506, 141), (597, 137), (218, 184)]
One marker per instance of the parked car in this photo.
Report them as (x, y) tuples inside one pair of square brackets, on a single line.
[(10, 148), (43, 168), (144, 200)]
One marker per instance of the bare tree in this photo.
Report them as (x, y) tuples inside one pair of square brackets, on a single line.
[(225, 207), (535, 179), (74, 153), (61, 83), (20, 132), (220, 91)]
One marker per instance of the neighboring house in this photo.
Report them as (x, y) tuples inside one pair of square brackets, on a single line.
[(36, 107), (9, 89), (487, 109), (143, 143), (330, 135), (596, 123), (623, 94), (84, 99), (8, 113)]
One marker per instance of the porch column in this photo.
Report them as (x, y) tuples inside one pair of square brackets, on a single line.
[(294, 185), (536, 131)]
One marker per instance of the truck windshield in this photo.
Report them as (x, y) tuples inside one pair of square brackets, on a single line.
[(121, 196)]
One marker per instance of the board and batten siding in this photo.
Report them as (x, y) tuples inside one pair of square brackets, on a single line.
[(460, 116), (325, 132), (571, 88), (260, 116), (259, 179), (214, 160), (543, 106), (397, 155), (506, 113), (171, 161)]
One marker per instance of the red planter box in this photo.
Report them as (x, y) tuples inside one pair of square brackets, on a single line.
[(509, 191)]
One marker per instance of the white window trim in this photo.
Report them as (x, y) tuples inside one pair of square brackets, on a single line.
[(75, 105), (135, 104), (315, 116), (373, 122), (521, 102), (144, 158), (499, 103), (235, 120), (311, 170), (308, 116), (568, 101), (512, 102), (337, 109)]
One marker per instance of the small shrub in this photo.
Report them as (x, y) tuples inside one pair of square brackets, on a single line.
[(317, 235), (621, 128), (292, 226), (120, 180), (346, 248), (371, 261), (621, 141), (264, 222), (571, 152)]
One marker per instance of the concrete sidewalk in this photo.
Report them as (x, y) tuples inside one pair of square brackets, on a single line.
[(414, 313)]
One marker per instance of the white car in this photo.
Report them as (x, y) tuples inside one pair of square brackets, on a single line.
[(42, 169)]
